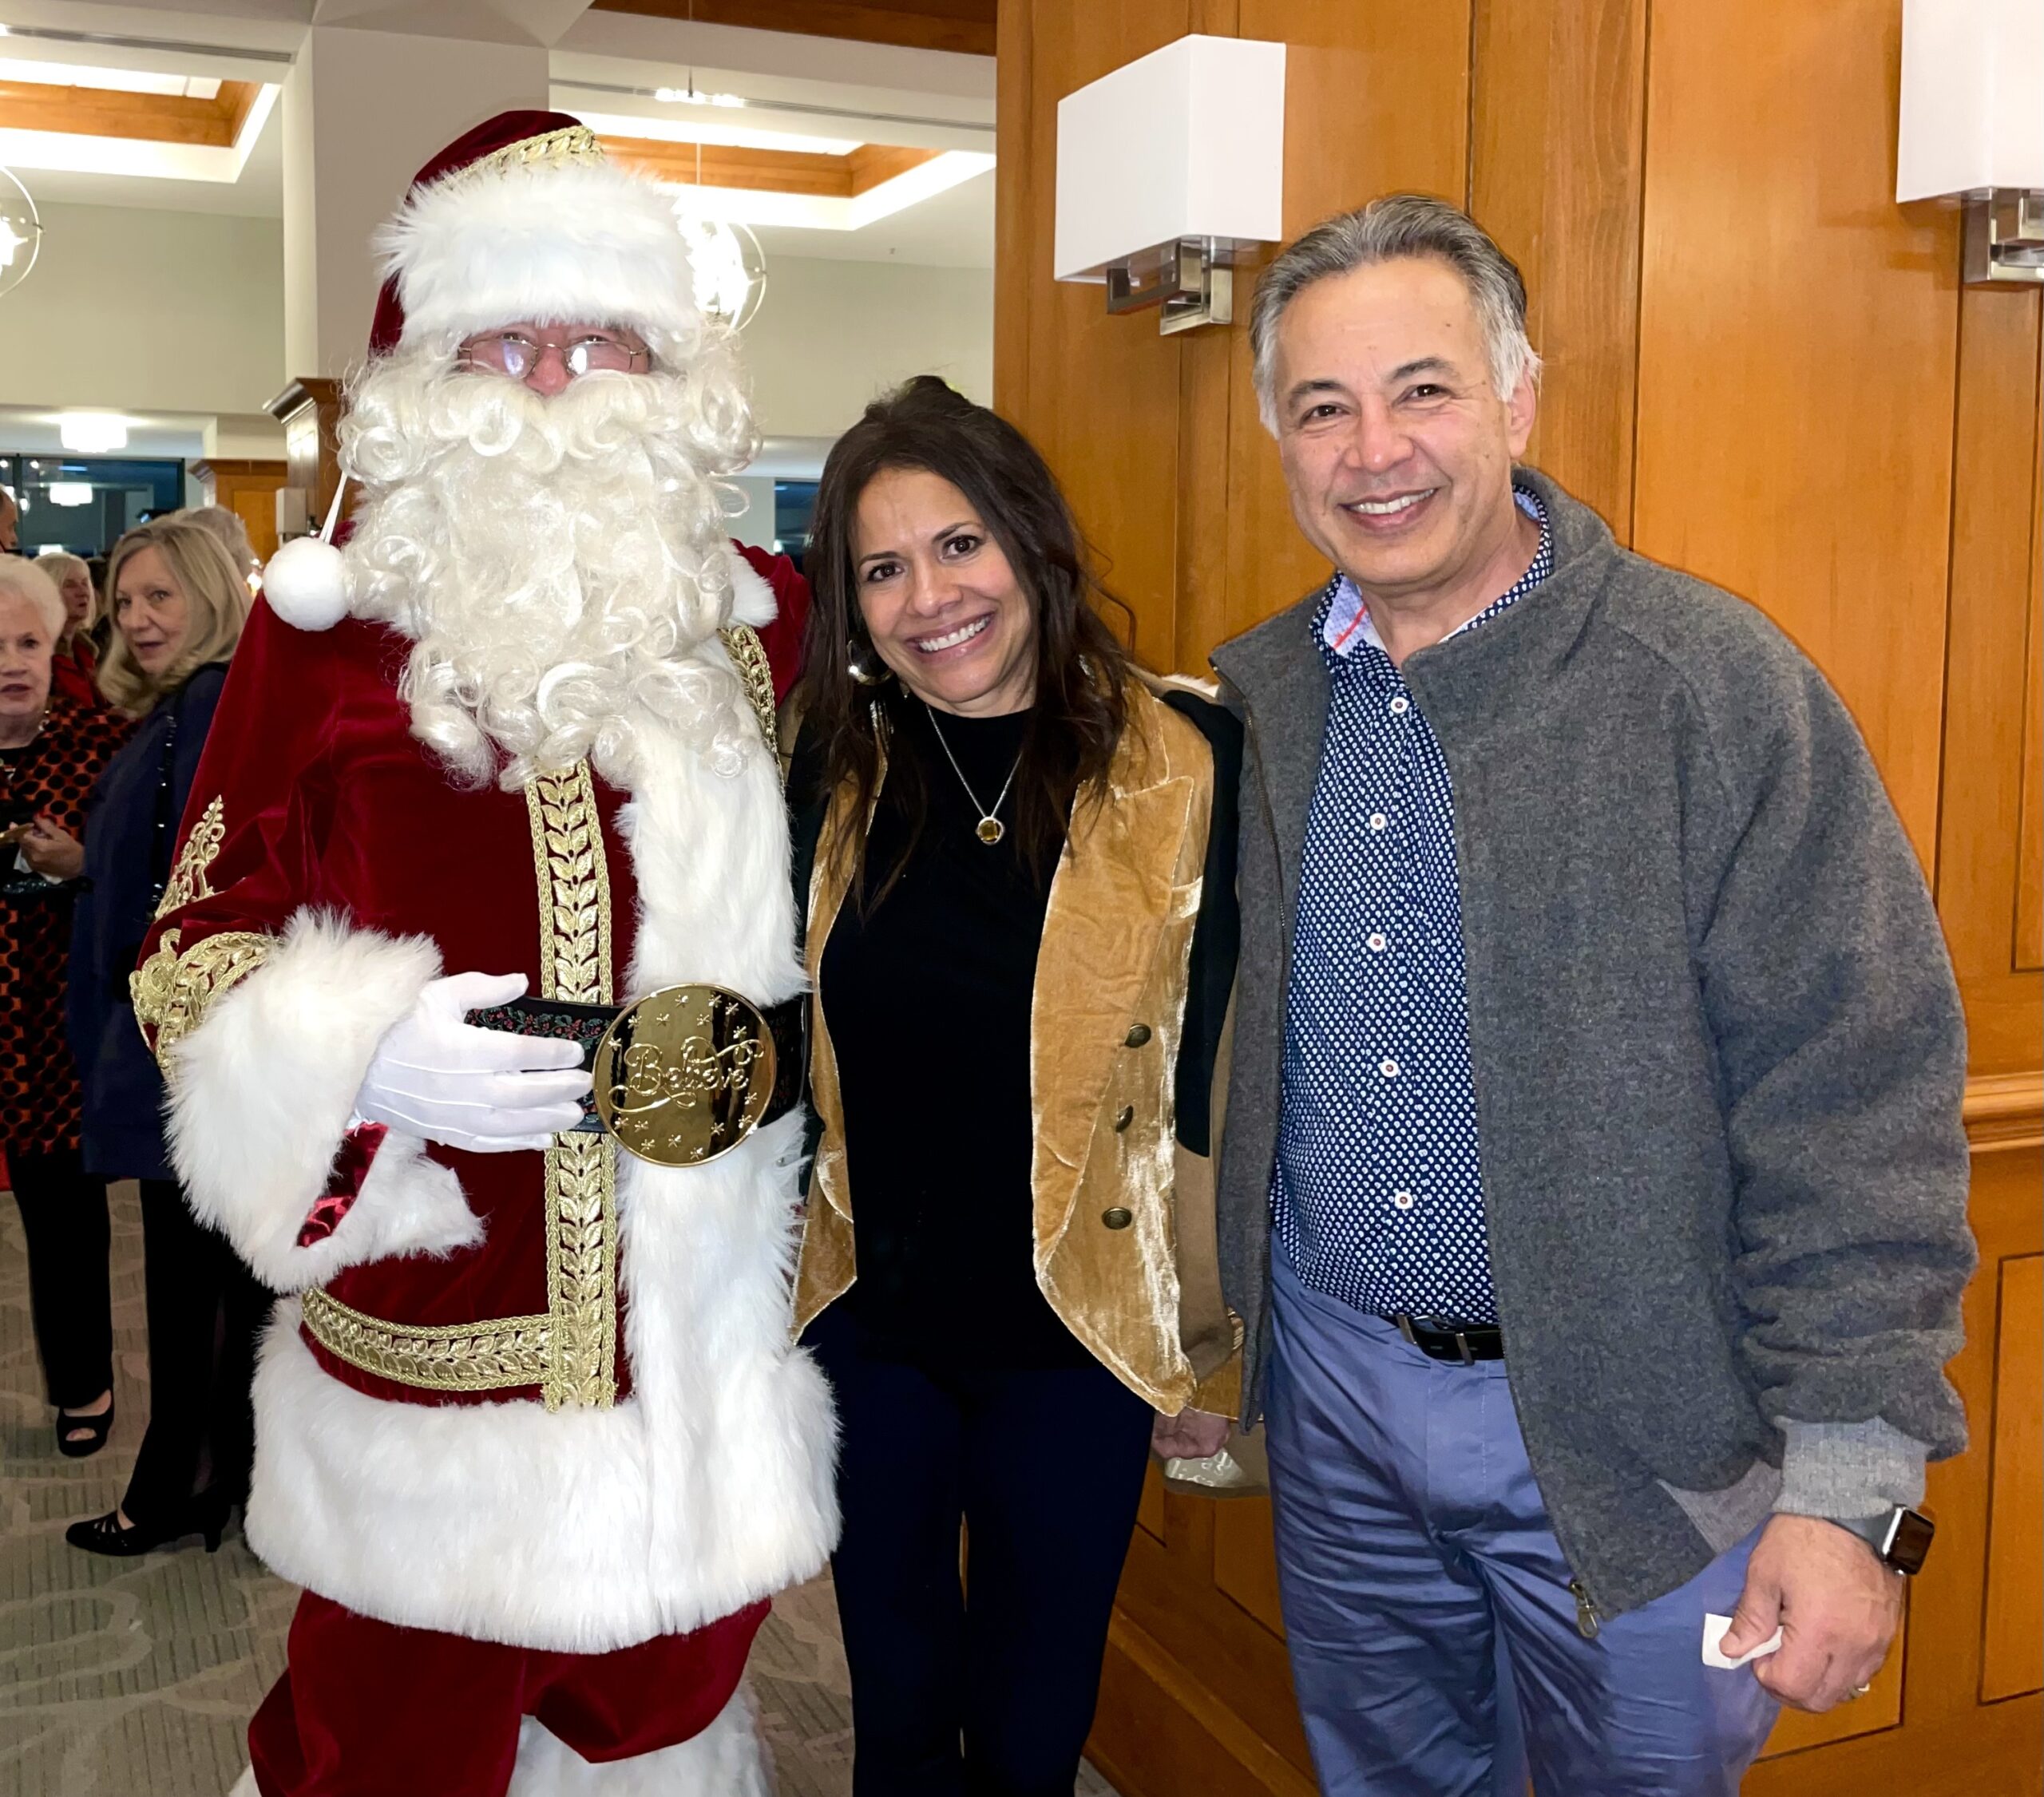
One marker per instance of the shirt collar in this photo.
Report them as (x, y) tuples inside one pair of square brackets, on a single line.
[(1345, 623)]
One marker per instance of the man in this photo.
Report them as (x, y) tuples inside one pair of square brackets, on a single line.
[(1595, 1195), (529, 1430), (10, 524)]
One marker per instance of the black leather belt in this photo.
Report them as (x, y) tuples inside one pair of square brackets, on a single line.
[(587, 1025), (1441, 1338)]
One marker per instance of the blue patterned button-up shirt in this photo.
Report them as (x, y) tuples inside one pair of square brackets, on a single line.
[(1377, 1197)]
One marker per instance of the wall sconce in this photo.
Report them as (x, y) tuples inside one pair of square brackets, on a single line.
[(1972, 127), (1169, 171)]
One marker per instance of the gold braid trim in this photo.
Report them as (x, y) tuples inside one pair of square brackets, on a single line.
[(574, 143), (478, 1357), (581, 1189), (748, 655), (570, 1353)]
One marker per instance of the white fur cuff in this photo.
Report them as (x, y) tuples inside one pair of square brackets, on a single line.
[(260, 1095)]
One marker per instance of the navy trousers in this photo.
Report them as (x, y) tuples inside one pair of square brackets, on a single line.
[(1433, 1634), (986, 1688)]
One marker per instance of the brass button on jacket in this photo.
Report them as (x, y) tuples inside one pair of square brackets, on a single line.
[(1124, 1117), (1137, 1036), (1118, 1218)]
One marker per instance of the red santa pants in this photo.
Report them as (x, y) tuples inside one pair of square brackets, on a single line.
[(368, 1709)]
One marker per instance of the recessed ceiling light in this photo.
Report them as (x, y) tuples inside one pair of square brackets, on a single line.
[(92, 432), (70, 492)]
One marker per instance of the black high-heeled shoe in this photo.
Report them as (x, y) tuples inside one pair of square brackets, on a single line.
[(68, 1421), (205, 1515)]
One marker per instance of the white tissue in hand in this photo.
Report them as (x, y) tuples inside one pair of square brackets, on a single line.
[(1715, 1628), (305, 583)]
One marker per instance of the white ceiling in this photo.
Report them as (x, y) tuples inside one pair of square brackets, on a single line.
[(816, 87)]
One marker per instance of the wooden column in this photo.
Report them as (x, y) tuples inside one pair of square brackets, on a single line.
[(309, 411), (249, 490)]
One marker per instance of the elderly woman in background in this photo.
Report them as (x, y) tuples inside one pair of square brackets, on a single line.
[(71, 668), (177, 602), (51, 750), (1021, 940)]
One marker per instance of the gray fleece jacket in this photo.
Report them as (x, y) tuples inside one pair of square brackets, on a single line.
[(1718, 1051)]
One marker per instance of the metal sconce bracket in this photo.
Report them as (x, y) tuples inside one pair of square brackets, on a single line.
[(2004, 236), (1192, 280)]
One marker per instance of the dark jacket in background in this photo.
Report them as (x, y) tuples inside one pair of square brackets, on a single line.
[(1718, 1053), (131, 827)]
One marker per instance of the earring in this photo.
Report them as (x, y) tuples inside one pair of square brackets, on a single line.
[(866, 668)]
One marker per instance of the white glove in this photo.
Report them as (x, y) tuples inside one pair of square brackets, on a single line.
[(487, 1092)]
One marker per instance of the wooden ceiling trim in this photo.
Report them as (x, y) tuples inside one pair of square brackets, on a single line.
[(155, 118), (873, 164), (830, 177), (963, 25), (721, 165)]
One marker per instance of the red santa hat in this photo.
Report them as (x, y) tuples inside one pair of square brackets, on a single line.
[(521, 219)]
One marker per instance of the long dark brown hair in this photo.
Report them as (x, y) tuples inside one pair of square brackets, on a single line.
[(1082, 672)]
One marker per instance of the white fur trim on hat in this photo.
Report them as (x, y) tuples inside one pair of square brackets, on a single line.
[(569, 244)]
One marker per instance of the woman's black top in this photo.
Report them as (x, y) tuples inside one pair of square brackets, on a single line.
[(927, 997), (130, 828)]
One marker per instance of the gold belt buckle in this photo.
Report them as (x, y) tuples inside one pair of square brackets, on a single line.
[(685, 1075)]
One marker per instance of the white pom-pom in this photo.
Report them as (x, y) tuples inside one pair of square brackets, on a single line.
[(306, 584)]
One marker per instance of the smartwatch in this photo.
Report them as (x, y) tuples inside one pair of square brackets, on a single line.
[(1900, 1538)]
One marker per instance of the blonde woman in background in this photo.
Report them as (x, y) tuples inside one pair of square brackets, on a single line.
[(74, 660), (233, 535), (177, 602)]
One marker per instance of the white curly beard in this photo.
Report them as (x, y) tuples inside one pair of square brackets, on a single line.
[(560, 563)]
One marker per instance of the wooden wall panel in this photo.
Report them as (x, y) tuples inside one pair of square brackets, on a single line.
[(1569, 76), (1098, 395), (1797, 354), (2012, 1641), (2029, 857), (1992, 638)]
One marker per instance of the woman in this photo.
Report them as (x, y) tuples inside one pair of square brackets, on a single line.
[(51, 750), (1018, 856), (75, 659), (177, 603)]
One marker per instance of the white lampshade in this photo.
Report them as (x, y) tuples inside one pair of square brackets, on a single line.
[(1186, 142), (1972, 97)]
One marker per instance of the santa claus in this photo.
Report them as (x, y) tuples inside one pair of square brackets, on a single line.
[(530, 1432)]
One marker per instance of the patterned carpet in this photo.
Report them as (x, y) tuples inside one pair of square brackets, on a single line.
[(137, 1678)]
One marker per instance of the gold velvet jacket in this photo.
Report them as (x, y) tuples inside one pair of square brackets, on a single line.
[(1125, 1249)]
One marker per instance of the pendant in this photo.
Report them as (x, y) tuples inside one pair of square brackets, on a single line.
[(990, 830)]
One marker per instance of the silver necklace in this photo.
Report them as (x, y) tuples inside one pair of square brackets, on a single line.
[(989, 829)]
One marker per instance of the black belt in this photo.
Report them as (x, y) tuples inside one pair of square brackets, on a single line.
[(586, 1025), (1441, 1338)]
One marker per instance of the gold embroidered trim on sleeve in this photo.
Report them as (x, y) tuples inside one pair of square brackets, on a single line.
[(172, 990), (188, 880), (748, 655), (478, 1357)]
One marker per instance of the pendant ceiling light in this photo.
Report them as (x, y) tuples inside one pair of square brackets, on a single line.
[(21, 232), (729, 266)]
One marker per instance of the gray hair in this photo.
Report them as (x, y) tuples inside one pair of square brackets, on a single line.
[(1398, 226), (24, 581), (232, 533)]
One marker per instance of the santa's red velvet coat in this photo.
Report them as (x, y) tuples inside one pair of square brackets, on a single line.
[(548, 1400)]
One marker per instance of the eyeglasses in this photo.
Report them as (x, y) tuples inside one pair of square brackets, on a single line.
[(513, 353)]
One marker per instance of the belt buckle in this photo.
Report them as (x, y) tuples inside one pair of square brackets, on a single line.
[(1439, 1326), (685, 1075)]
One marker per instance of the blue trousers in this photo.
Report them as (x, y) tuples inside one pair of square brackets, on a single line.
[(1433, 1636)]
